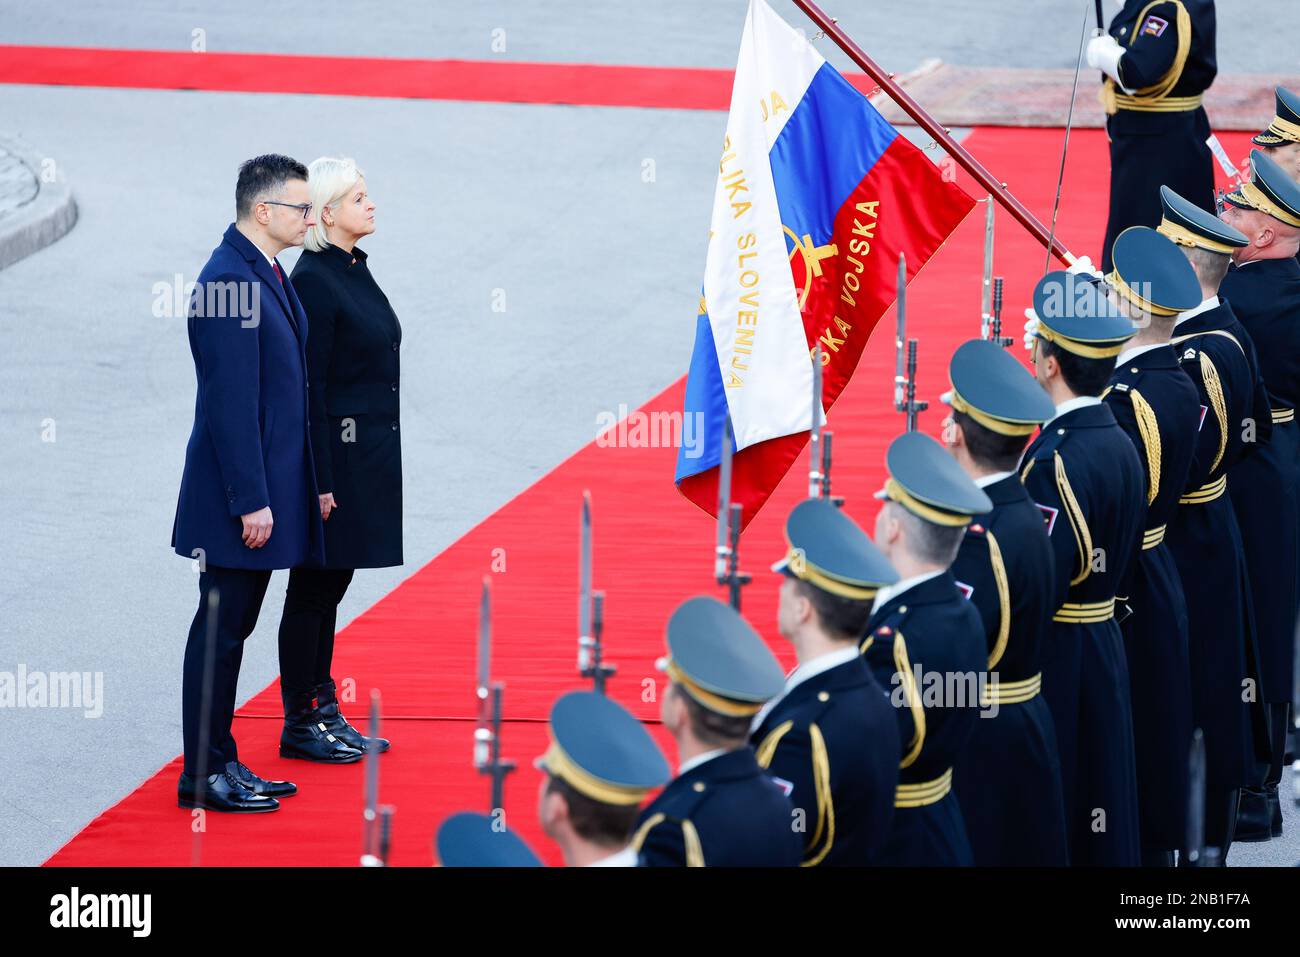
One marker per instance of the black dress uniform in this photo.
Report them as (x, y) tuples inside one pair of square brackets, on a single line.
[(1219, 357), (724, 811), (831, 737), (469, 839), (1158, 132), (1265, 296), (1008, 779), (1084, 475), (600, 750), (928, 627), (1157, 405)]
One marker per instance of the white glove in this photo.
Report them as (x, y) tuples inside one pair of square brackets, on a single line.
[(1083, 267), (1104, 54), (1031, 328)]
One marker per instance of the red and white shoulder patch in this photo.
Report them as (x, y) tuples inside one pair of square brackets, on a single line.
[(1049, 516), (1153, 26), (965, 589), (1199, 425)]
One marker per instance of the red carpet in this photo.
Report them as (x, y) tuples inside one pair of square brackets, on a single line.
[(497, 81), (652, 550)]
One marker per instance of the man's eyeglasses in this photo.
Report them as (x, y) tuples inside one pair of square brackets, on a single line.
[(305, 208)]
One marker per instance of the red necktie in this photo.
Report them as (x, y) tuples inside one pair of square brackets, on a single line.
[(278, 275)]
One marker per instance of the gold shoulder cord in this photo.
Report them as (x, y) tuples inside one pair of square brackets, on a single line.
[(1149, 429), (691, 838), (1160, 89), (1004, 599), (913, 695), (767, 750), (1078, 524), (862, 648), (651, 823), (821, 765), (1215, 389)]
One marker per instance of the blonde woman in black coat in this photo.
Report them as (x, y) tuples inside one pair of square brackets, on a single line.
[(352, 369)]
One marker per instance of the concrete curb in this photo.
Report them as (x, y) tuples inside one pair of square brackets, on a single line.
[(34, 223)]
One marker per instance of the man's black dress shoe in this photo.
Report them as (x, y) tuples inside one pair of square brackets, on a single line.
[(259, 785), (224, 792), (1254, 817)]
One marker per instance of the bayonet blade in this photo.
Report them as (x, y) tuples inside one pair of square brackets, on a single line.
[(723, 549), (1196, 799), (372, 780), (900, 335), (485, 637), (584, 584), (986, 290), (815, 432)]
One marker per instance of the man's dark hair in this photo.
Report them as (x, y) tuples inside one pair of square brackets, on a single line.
[(719, 730), (989, 449), (263, 176), (607, 824), (1082, 375), (843, 618)]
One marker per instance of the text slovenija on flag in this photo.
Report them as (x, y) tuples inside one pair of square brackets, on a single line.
[(817, 195)]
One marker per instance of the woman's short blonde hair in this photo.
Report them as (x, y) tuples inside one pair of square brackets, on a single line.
[(328, 179)]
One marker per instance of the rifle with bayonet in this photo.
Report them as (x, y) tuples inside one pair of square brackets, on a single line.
[(905, 400), (591, 610), (726, 561), (819, 444), (487, 735)]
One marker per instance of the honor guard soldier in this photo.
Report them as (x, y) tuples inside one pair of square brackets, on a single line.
[(721, 810), (922, 633), (830, 737), (600, 766), (1282, 138), (1263, 288), (478, 840), (1008, 780), (1204, 538), (1157, 405), (1158, 59), (1084, 474)]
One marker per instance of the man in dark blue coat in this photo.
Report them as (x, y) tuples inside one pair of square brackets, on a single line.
[(1155, 402), (925, 645), (1217, 354), (248, 500), (830, 737), (721, 810), (1008, 780), (1083, 473), (1263, 287)]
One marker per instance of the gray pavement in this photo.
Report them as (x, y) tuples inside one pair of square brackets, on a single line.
[(898, 33), (96, 387)]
